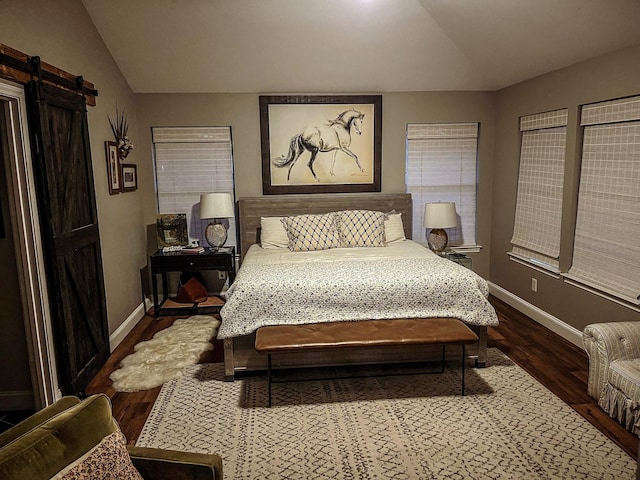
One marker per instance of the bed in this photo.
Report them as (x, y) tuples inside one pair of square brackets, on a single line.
[(277, 286)]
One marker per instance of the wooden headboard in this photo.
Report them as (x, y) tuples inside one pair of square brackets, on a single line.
[(251, 209)]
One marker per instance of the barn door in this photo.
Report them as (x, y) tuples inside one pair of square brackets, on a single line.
[(69, 228)]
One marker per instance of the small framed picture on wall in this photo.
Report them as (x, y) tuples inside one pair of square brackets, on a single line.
[(129, 177), (113, 167)]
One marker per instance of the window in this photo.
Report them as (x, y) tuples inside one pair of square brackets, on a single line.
[(190, 161), (441, 166), (606, 252), (536, 230)]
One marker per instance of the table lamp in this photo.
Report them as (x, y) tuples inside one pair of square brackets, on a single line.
[(216, 206), (439, 216)]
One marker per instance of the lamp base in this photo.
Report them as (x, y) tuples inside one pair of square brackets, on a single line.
[(437, 240), (216, 235)]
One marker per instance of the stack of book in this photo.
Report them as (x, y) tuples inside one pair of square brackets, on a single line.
[(192, 250)]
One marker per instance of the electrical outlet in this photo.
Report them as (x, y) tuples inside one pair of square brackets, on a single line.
[(222, 275), (534, 284)]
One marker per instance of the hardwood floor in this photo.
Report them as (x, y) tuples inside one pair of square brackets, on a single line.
[(556, 363)]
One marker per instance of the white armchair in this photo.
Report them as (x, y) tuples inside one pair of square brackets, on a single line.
[(614, 370)]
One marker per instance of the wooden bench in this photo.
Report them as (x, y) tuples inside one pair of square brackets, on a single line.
[(275, 339)]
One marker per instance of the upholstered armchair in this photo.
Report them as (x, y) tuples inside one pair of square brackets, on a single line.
[(614, 370), (72, 438)]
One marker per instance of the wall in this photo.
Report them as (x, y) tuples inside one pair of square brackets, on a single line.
[(62, 34), (607, 77), (241, 112)]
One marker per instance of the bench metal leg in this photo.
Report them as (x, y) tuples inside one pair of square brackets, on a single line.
[(229, 369), (269, 376), (464, 357)]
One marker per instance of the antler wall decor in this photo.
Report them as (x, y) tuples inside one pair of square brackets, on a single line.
[(119, 127)]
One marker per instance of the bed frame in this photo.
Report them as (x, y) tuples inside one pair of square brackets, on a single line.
[(239, 352)]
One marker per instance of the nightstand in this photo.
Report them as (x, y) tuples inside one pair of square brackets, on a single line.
[(460, 258), (222, 260)]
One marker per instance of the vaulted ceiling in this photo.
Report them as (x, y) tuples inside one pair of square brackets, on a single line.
[(331, 46)]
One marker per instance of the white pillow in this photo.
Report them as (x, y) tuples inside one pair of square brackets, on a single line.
[(273, 233), (393, 228), (312, 232)]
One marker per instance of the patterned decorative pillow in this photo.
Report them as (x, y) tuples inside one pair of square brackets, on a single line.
[(393, 228), (273, 233), (361, 228), (312, 232), (107, 460)]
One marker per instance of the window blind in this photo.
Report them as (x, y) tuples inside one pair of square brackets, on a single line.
[(190, 161), (441, 166), (537, 223), (606, 254)]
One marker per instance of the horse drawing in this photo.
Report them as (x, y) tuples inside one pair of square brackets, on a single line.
[(333, 137)]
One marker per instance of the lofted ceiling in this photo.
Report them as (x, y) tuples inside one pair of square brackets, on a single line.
[(331, 46)]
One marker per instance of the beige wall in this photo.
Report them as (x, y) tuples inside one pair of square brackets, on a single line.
[(62, 34), (241, 112), (607, 77)]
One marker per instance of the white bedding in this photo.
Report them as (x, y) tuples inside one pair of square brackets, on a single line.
[(400, 280)]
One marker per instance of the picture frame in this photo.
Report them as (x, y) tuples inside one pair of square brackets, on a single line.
[(113, 167), (172, 230), (321, 143), (129, 175)]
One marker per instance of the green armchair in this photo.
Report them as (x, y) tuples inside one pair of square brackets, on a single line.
[(72, 438)]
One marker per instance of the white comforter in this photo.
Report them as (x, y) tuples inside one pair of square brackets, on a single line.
[(402, 280)]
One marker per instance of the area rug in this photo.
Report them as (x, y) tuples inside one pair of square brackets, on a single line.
[(508, 426), (165, 356)]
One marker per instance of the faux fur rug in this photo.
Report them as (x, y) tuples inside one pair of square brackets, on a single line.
[(165, 356), (508, 426)]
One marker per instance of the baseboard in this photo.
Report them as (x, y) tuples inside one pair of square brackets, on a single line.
[(16, 400), (125, 327), (554, 324)]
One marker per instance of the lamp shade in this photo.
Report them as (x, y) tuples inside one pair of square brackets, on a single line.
[(440, 215), (216, 205)]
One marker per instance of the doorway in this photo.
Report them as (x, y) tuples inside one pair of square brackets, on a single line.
[(22, 224)]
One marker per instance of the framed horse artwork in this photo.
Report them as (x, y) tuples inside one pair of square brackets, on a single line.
[(321, 144)]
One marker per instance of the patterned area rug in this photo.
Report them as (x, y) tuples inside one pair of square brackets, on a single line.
[(405, 427)]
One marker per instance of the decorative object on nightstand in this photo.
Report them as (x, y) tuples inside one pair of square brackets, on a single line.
[(216, 206), (439, 216), (172, 230)]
